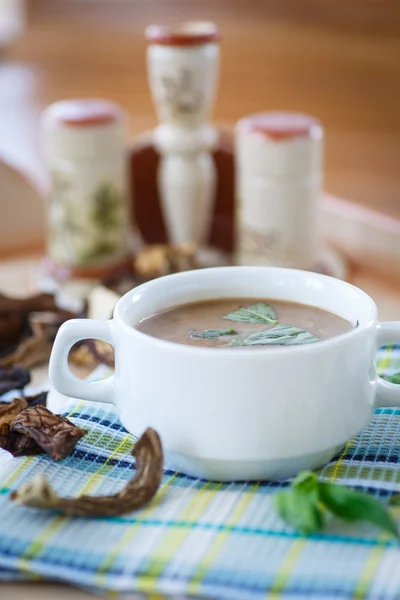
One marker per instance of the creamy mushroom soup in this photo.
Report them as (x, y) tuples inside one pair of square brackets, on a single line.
[(243, 322)]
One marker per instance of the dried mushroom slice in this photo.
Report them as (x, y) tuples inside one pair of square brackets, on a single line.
[(54, 433), (14, 322), (161, 259), (32, 350), (102, 352), (27, 329), (182, 257), (37, 400), (91, 353), (136, 494), (23, 306), (13, 327), (16, 443), (9, 410), (152, 261), (81, 356), (13, 379)]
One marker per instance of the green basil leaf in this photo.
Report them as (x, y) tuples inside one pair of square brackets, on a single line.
[(395, 500), (356, 506), (212, 333), (281, 335), (306, 481), (299, 510), (395, 378), (257, 313)]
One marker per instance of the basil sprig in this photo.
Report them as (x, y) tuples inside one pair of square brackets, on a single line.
[(261, 312), (304, 505), (208, 334), (257, 313), (281, 335)]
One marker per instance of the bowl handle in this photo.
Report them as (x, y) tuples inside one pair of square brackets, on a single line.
[(387, 394), (60, 374)]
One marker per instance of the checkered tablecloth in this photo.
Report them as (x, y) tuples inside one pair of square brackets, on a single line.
[(208, 540)]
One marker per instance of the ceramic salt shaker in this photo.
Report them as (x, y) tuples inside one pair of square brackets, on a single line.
[(279, 172), (88, 216), (183, 69)]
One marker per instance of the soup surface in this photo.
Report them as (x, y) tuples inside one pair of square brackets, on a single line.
[(243, 322)]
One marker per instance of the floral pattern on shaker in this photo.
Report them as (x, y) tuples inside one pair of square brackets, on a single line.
[(254, 241), (181, 94), (85, 233)]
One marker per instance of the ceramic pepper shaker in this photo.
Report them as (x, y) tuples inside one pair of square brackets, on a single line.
[(183, 68), (279, 175), (88, 216)]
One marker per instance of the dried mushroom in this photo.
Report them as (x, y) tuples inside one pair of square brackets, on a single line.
[(33, 350), (13, 313), (91, 353), (163, 259), (182, 257), (13, 379), (136, 494), (152, 261), (9, 410), (81, 356), (27, 329), (16, 443), (56, 434), (23, 306), (102, 352), (14, 325), (37, 400)]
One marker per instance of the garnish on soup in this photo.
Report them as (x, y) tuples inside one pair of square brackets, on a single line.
[(257, 313), (208, 334), (259, 323), (281, 335)]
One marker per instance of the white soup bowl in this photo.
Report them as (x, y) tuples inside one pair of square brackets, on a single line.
[(251, 413)]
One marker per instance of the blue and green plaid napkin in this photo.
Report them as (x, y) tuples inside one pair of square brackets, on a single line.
[(209, 540)]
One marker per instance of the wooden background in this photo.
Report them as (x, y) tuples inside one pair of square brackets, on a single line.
[(336, 59)]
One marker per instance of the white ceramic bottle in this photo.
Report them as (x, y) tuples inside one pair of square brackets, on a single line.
[(183, 70), (88, 215), (279, 171)]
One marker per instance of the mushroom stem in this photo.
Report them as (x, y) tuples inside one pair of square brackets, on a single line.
[(138, 491)]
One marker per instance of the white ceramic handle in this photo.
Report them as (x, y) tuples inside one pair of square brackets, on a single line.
[(61, 377), (388, 394)]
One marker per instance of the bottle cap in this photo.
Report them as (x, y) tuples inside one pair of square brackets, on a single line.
[(190, 33), (83, 128), (279, 144)]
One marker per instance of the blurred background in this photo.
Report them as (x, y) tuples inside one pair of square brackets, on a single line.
[(337, 59)]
